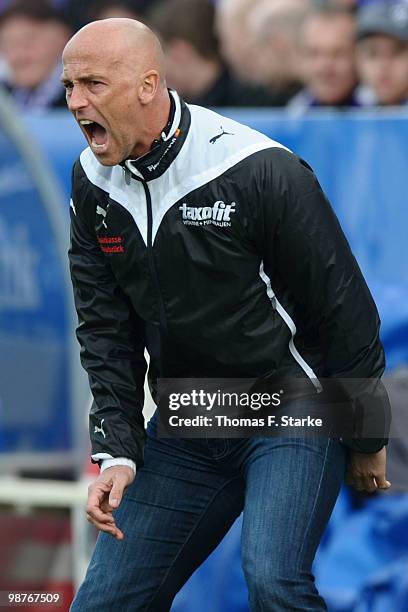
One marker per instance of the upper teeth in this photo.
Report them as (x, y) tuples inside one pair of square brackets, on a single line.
[(85, 122)]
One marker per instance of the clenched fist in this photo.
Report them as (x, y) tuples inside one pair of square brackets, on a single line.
[(366, 472)]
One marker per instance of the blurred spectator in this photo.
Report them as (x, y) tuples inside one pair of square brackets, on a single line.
[(350, 5), (382, 51), (32, 37), (82, 12), (347, 4), (274, 26), (236, 42), (193, 62), (327, 61), (104, 9)]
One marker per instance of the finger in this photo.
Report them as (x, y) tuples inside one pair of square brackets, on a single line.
[(112, 530), (107, 527), (108, 524), (96, 506), (97, 493), (98, 514), (105, 507), (116, 494), (382, 482), (98, 490), (369, 484)]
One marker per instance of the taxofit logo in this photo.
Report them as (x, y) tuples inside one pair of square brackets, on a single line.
[(218, 214)]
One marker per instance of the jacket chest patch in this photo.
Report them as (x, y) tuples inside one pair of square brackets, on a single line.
[(218, 214), (111, 244)]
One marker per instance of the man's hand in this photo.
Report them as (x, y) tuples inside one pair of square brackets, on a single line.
[(366, 472), (105, 495)]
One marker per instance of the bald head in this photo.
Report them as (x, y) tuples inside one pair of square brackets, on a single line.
[(119, 41), (116, 90)]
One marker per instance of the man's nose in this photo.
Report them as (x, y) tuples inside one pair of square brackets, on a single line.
[(76, 100)]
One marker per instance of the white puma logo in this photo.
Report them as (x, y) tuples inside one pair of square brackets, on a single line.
[(101, 211), (100, 429)]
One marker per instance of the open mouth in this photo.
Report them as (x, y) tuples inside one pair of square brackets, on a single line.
[(97, 135)]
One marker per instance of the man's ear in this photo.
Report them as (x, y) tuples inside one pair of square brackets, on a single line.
[(148, 86)]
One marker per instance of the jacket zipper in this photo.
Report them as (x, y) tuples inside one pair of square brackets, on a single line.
[(150, 257)]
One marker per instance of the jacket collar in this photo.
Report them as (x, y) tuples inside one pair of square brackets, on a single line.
[(155, 162)]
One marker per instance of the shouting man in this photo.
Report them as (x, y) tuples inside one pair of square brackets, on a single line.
[(214, 248)]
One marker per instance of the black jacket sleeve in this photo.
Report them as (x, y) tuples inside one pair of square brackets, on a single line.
[(111, 336), (311, 254)]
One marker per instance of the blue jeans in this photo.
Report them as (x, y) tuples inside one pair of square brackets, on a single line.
[(187, 496)]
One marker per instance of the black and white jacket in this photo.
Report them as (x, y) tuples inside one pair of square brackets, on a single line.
[(219, 253)]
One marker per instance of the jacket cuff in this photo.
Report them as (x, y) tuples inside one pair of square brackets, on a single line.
[(106, 461), (364, 445)]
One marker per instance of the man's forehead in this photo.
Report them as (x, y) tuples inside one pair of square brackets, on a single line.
[(91, 61), (76, 50)]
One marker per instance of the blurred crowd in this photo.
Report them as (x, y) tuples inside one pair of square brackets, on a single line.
[(297, 54)]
